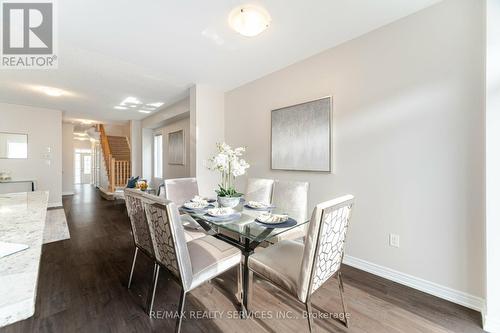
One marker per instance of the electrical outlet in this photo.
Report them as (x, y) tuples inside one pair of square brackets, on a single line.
[(394, 240)]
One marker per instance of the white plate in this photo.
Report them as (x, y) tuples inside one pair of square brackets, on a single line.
[(200, 200), (257, 205), (195, 205), (220, 212), (269, 218)]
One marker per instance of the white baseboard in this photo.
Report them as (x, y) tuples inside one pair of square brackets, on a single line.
[(449, 294), (491, 324), (54, 204), (68, 193)]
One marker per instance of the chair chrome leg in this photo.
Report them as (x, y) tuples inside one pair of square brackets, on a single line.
[(309, 315), (153, 292), (133, 267), (250, 289), (180, 311), (239, 282), (341, 289)]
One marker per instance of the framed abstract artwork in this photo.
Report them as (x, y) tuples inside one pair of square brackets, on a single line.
[(176, 155), (301, 136)]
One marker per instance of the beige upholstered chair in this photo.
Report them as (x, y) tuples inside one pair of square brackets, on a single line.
[(321, 254), (139, 225), (291, 198), (259, 189), (140, 228), (180, 190), (191, 263)]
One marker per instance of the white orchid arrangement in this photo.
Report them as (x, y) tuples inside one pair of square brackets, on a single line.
[(229, 163)]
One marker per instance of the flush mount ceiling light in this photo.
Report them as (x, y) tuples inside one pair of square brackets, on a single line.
[(119, 107), (144, 111), (249, 20)]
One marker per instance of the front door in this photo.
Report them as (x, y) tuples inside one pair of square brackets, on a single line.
[(83, 167)]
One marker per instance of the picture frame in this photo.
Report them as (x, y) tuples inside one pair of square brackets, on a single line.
[(176, 148), (301, 136)]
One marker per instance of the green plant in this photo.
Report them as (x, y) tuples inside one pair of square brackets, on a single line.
[(228, 192)]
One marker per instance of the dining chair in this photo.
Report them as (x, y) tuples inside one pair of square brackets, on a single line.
[(139, 226), (180, 190), (161, 191), (291, 198), (259, 189), (322, 254), (191, 263)]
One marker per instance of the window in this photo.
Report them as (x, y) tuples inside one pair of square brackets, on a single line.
[(17, 150), (158, 156)]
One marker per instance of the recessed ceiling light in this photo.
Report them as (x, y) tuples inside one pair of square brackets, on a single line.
[(131, 100), (51, 91), (249, 20), (155, 105), (118, 107), (144, 111)]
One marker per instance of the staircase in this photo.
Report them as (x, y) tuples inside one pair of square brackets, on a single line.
[(116, 155)]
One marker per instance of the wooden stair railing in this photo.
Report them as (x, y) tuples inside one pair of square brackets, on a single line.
[(117, 170)]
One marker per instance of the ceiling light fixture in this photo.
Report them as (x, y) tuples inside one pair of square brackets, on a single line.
[(118, 107), (249, 20), (131, 100), (144, 111), (51, 91), (155, 105)]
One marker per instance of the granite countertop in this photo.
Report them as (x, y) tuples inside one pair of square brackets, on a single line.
[(22, 220)]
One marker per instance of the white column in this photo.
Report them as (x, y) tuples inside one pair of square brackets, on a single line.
[(136, 147), (207, 126), (147, 154), (492, 316)]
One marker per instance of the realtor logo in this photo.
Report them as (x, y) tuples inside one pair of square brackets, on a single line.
[(28, 35)]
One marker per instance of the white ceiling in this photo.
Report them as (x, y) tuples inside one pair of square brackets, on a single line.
[(156, 49)]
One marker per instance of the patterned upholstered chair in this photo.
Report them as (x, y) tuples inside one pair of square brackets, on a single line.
[(321, 254), (259, 189), (140, 229), (291, 198), (180, 190), (191, 263)]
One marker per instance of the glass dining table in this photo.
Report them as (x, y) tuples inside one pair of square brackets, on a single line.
[(245, 233)]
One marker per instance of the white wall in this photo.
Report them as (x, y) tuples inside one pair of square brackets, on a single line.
[(492, 318), (117, 129), (408, 141), (68, 159), (154, 124), (44, 129), (207, 128)]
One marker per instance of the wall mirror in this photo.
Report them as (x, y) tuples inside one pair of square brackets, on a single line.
[(13, 145)]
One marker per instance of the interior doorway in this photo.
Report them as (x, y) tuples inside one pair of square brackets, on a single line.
[(83, 166)]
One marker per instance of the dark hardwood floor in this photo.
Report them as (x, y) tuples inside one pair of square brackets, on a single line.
[(82, 288)]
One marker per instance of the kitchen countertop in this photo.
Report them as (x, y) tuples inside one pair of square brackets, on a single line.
[(22, 220)]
